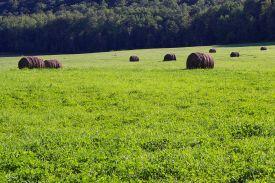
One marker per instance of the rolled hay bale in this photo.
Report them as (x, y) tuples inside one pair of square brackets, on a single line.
[(200, 61), (53, 64), (263, 48), (170, 57), (134, 58), (31, 62), (212, 50), (235, 54)]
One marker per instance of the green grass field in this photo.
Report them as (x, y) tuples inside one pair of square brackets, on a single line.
[(104, 119)]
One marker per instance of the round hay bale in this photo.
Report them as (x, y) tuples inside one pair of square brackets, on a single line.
[(263, 48), (235, 54), (212, 50), (200, 61), (170, 57), (31, 62), (134, 58), (53, 64)]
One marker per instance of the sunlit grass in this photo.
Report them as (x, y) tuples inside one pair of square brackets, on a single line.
[(102, 118)]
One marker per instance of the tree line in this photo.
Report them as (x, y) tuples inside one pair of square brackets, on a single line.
[(74, 26)]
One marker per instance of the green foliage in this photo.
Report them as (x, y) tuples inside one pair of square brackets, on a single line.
[(104, 119), (70, 26)]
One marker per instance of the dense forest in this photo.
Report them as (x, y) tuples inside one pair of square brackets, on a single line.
[(73, 26)]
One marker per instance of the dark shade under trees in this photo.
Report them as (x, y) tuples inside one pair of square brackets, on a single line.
[(74, 26)]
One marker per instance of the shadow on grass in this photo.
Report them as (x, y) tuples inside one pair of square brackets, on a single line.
[(69, 53), (20, 55), (248, 44), (9, 55)]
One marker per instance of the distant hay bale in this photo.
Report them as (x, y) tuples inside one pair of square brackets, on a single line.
[(235, 54), (212, 50), (263, 48), (31, 62), (170, 57), (54, 64), (200, 61), (134, 58)]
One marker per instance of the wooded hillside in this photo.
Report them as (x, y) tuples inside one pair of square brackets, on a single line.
[(71, 26)]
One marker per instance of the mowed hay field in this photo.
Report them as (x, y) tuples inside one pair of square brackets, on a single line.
[(104, 119)]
